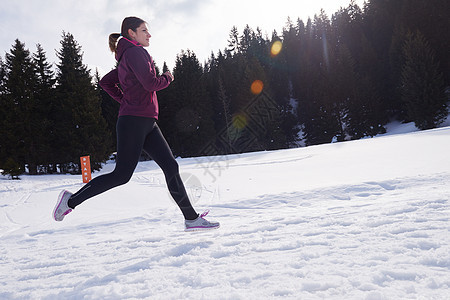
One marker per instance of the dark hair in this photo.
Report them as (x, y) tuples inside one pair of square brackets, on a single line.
[(128, 23)]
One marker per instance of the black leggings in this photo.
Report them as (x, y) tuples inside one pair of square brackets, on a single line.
[(135, 134)]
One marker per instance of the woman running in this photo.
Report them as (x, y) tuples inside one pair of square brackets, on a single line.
[(137, 129)]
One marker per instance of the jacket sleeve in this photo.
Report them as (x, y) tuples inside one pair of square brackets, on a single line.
[(110, 83), (141, 66)]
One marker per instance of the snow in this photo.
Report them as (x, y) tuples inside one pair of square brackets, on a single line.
[(365, 219)]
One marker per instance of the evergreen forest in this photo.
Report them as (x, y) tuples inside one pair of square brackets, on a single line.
[(325, 79)]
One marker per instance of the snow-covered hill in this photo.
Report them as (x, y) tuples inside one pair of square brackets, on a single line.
[(366, 219)]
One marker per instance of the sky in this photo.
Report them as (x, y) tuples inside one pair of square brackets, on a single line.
[(202, 26)]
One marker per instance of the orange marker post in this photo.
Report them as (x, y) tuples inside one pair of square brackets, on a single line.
[(86, 168)]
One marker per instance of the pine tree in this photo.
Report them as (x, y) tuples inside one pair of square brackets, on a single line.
[(12, 168), (110, 111), (397, 107), (246, 38), (2, 77), (190, 107), (432, 19), (317, 107), (165, 68), (3, 113), (280, 72), (233, 42), (380, 20), (20, 130), (168, 105), (258, 47), (220, 105), (224, 105), (423, 90), (80, 128), (44, 97)]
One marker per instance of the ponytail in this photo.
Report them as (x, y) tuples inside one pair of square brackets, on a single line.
[(113, 37), (128, 23)]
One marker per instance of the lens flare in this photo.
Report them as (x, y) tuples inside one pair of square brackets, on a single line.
[(239, 121), (276, 48), (257, 87)]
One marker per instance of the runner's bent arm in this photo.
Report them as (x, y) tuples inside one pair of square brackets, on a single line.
[(110, 83)]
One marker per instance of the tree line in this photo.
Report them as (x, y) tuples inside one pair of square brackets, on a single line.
[(329, 79), (49, 119)]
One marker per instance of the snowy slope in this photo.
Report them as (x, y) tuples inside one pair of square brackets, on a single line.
[(365, 219)]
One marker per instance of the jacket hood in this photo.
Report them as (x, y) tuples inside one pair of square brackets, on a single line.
[(123, 45)]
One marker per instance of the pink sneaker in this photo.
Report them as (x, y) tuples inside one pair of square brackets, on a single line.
[(62, 208), (200, 223)]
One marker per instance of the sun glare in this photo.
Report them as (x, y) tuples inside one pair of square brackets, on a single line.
[(257, 87), (239, 121), (276, 48)]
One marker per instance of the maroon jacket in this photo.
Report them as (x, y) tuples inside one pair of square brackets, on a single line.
[(138, 81)]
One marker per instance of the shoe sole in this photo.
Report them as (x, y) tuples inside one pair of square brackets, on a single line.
[(193, 229), (60, 197)]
